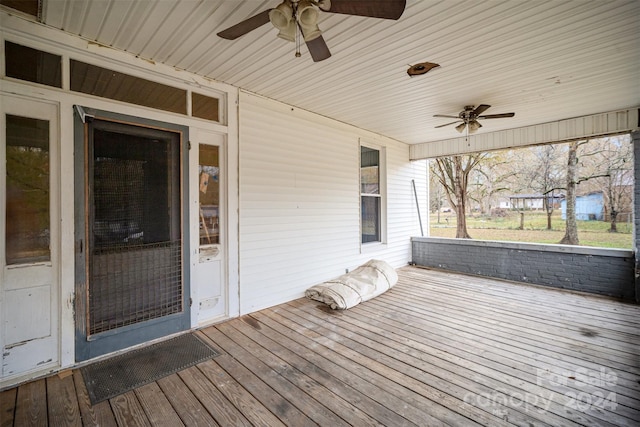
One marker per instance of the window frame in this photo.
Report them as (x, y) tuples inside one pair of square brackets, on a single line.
[(381, 195)]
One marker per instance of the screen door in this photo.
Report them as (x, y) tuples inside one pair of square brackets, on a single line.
[(131, 246)]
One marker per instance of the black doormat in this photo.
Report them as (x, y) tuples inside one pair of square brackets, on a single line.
[(119, 374)]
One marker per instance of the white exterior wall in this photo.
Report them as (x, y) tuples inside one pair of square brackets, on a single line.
[(300, 201)]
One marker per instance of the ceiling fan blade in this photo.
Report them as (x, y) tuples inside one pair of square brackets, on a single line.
[(444, 115), (481, 109), (497, 116), (318, 49), (245, 26), (386, 9), (447, 124)]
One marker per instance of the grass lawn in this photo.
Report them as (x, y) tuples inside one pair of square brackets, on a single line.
[(482, 227)]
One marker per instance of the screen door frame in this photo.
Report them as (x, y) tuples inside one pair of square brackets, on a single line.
[(88, 346)]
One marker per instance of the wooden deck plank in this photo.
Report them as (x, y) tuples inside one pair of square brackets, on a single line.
[(535, 309), (190, 410), (31, 404), (505, 359), (439, 348), (352, 415), (128, 411), (316, 413), (478, 327), (256, 412), (553, 301), (321, 370), (525, 314), (382, 391), (483, 324), (215, 402), (512, 371), (418, 379), (7, 406), (563, 352), (459, 380), (157, 406), (418, 408), (99, 414), (573, 343), (62, 402), (631, 412), (384, 406)]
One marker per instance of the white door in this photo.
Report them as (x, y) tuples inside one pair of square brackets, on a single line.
[(30, 236), (209, 239)]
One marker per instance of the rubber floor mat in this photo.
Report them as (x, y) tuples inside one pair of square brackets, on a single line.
[(114, 376)]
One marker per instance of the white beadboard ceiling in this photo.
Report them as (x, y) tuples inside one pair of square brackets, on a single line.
[(543, 60)]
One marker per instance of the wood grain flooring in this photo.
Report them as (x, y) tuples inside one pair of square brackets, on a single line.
[(438, 349)]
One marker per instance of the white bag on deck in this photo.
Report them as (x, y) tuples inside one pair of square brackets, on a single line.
[(365, 282)]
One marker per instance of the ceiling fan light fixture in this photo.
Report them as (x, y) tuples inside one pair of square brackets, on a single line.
[(281, 16), (474, 126), (289, 33), (324, 5), (307, 15), (460, 127), (310, 33)]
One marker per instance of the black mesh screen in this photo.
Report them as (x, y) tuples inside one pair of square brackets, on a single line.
[(136, 257)]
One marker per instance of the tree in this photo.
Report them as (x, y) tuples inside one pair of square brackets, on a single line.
[(614, 162), (571, 231), (453, 173), (436, 192), (606, 165), (490, 178), (545, 177)]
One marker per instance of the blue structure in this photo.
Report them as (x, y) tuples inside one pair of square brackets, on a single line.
[(588, 207)]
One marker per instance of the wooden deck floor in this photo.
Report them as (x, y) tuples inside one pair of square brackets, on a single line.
[(438, 349)]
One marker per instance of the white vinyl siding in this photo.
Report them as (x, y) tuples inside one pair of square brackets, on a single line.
[(300, 201)]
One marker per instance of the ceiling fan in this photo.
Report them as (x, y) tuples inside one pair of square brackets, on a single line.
[(470, 116), (291, 15)]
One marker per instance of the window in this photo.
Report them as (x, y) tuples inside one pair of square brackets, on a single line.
[(205, 107), (29, 7), (94, 80), (209, 186), (32, 65), (27, 198), (371, 203)]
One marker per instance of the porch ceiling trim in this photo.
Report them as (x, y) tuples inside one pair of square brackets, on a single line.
[(595, 125)]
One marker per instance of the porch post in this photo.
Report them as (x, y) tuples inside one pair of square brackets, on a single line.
[(635, 137)]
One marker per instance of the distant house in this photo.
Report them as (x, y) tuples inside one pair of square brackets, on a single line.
[(532, 201), (589, 207)]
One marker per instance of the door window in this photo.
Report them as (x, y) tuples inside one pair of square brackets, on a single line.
[(28, 231), (209, 190)]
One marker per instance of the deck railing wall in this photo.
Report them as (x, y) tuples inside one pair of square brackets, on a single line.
[(595, 270)]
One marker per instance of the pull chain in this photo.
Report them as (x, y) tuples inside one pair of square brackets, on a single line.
[(295, 18)]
